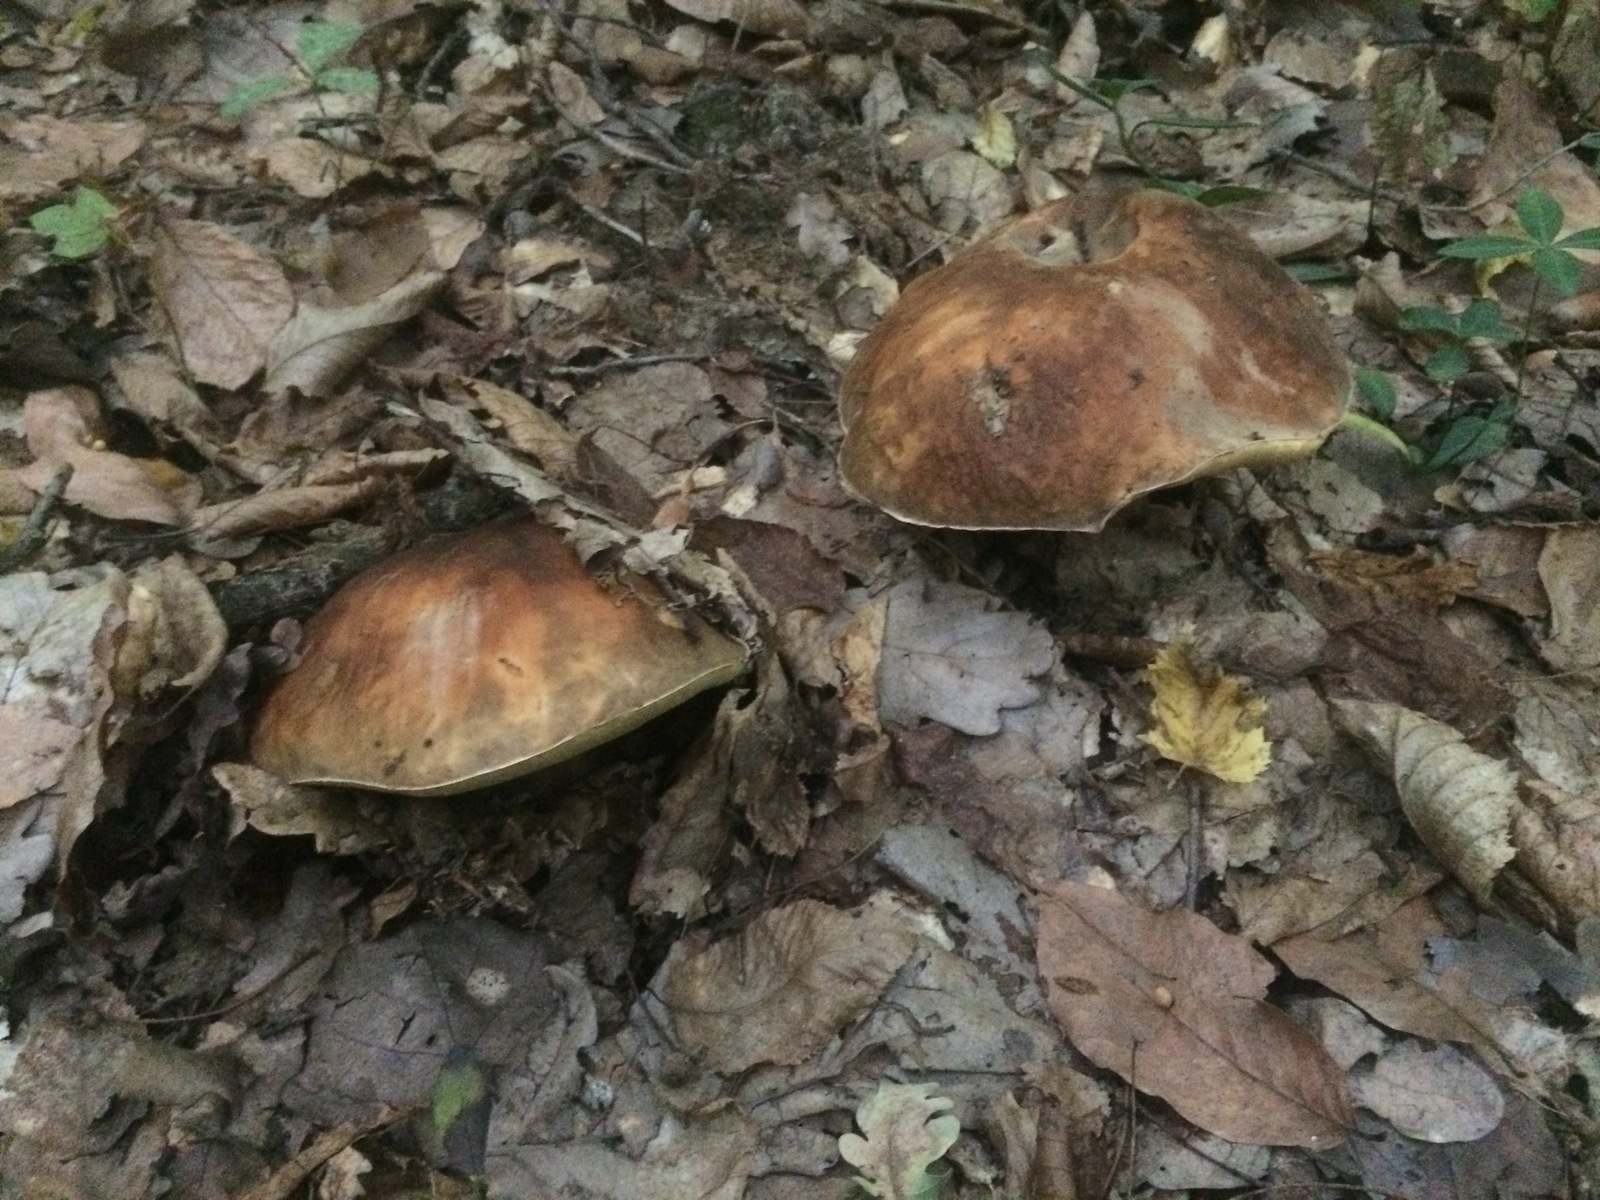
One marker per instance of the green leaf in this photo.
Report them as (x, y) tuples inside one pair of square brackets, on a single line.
[(1489, 245), (348, 81), (1540, 214), (1190, 121), (1113, 90), (1377, 391), (1448, 363), (1483, 319), (252, 95), (1584, 239), (1468, 440), (1318, 272), (1559, 269), (79, 228), (1229, 193), (1589, 141), (1534, 10), (320, 43), (460, 1085), (1427, 318)]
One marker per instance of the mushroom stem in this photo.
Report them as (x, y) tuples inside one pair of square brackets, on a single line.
[(1365, 426)]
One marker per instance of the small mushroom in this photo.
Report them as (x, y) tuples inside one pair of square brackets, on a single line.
[(475, 659), (1081, 356)]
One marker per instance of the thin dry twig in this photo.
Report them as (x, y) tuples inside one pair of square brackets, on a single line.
[(36, 529)]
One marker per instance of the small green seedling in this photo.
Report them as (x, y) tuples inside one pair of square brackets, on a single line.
[(1472, 436), (318, 46), (79, 228), (1550, 255), (1480, 319)]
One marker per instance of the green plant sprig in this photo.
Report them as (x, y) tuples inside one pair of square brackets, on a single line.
[(318, 47), (1472, 436)]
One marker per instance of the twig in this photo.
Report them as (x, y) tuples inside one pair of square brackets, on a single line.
[(620, 364), (590, 211), (35, 530), (1197, 840)]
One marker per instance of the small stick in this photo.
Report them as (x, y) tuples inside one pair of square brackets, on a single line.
[(35, 530), (1197, 840)]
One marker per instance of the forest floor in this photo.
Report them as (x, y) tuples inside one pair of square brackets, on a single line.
[(1249, 845)]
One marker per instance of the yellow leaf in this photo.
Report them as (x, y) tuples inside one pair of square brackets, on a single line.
[(996, 138), (1205, 719)]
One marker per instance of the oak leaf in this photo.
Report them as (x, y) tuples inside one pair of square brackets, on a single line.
[(907, 1130)]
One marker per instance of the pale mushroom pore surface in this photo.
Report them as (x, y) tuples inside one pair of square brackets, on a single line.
[(478, 658), (1080, 357)]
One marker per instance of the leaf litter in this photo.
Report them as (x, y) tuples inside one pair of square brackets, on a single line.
[(916, 902)]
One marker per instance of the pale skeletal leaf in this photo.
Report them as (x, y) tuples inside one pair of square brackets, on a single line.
[(907, 1130)]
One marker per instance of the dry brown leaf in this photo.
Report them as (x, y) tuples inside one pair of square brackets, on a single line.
[(1206, 719), (1460, 802), (263, 802), (223, 300), (1557, 837), (216, 525), (1385, 971), (783, 987), (1569, 568), (319, 346), (63, 427), (153, 389), (47, 151), (1173, 1004)]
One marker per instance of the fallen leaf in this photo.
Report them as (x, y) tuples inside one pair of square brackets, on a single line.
[(782, 987), (318, 347), (48, 151), (967, 193), (1569, 569), (63, 427), (949, 657), (224, 300), (1174, 1005), (1460, 802), (821, 232), (1206, 719), (996, 138), (1434, 1094), (905, 1129)]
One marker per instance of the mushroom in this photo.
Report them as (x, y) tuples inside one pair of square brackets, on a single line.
[(476, 659), (1081, 356)]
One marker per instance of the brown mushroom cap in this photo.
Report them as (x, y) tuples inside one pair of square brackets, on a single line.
[(476, 659), (1079, 357)]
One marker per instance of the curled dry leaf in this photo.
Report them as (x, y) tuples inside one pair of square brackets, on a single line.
[(781, 988), (223, 300), (1460, 802), (1206, 719), (80, 671), (1173, 1004), (320, 346), (907, 1129)]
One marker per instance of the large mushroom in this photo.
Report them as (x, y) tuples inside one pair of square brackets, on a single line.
[(1081, 356), (476, 659)]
